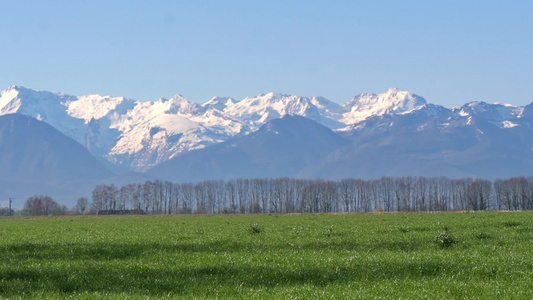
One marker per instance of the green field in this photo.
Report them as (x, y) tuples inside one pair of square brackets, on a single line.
[(447, 256)]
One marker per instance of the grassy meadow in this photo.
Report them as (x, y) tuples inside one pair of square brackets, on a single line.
[(446, 256)]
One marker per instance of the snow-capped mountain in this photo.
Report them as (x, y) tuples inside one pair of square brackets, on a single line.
[(258, 110), (88, 120), (44, 106), (393, 101), (138, 135), (153, 132), (128, 133)]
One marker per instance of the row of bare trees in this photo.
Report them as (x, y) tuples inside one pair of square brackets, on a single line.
[(288, 195), (514, 194)]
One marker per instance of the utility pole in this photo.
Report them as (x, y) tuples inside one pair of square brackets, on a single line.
[(10, 200)]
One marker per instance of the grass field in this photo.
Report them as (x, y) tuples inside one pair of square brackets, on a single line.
[(447, 256)]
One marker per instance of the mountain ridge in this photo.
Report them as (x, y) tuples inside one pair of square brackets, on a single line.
[(138, 135)]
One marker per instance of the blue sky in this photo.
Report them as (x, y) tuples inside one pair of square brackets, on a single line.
[(450, 52)]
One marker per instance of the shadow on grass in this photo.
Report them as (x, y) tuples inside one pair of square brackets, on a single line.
[(142, 269), (116, 251), (202, 281)]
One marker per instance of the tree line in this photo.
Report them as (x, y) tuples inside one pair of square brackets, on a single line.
[(289, 195)]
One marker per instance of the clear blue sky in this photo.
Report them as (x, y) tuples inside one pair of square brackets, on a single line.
[(450, 52)]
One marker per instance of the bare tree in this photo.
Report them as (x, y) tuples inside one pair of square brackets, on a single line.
[(98, 196), (478, 194), (81, 205)]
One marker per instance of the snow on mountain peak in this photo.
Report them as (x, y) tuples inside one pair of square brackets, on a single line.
[(96, 107), (219, 103), (494, 112), (8, 102), (181, 105), (392, 101), (16, 89), (12, 87), (260, 109)]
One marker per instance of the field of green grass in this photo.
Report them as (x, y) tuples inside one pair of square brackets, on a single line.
[(446, 256)]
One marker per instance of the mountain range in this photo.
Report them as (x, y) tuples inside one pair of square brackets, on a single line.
[(395, 133), (138, 135)]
